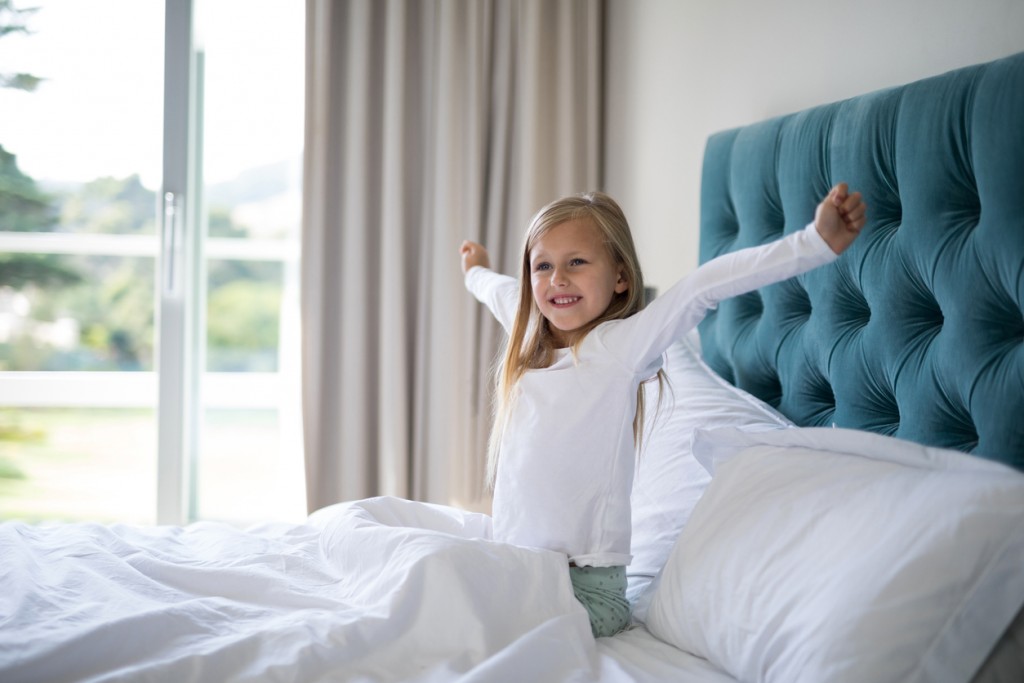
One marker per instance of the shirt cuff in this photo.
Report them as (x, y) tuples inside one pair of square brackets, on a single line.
[(819, 244)]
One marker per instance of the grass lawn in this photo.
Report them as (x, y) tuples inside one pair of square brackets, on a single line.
[(94, 464)]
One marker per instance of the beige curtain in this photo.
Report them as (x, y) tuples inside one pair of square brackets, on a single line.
[(427, 122)]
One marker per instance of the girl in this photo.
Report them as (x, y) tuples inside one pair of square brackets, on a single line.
[(580, 342)]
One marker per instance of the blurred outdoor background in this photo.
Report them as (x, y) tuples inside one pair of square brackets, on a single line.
[(81, 139)]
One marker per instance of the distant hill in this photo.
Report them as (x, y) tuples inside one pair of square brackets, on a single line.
[(254, 185)]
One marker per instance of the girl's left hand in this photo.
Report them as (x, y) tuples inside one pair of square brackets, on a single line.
[(840, 217)]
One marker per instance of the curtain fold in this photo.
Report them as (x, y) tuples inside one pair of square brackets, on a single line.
[(427, 122)]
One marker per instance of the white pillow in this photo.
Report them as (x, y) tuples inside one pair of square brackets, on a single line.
[(836, 555), (668, 481)]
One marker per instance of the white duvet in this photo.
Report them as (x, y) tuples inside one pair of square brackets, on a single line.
[(379, 590)]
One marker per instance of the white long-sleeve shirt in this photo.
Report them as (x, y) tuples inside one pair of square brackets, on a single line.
[(566, 460)]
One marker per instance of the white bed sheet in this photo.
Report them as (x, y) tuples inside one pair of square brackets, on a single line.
[(637, 655), (376, 590)]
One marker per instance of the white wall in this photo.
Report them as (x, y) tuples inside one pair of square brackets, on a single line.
[(679, 70)]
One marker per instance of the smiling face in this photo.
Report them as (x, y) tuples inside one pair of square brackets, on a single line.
[(573, 276)]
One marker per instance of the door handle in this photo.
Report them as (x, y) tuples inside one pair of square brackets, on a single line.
[(172, 238)]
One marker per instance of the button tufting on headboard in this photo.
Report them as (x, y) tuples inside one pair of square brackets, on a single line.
[(918, 330)]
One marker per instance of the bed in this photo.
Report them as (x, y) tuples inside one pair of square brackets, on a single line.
[(830, 490)]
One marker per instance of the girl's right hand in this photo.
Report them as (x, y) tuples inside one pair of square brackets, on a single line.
[(473, 254)]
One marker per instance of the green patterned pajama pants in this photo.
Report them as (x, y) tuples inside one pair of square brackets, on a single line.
[(602, 591)]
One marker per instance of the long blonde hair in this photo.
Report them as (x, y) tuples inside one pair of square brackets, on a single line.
[(530, 342)]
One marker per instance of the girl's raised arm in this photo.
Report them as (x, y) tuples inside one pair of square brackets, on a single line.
[(643, 338), (500, 293)]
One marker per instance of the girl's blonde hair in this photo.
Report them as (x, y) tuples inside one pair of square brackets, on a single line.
[(530, 342)]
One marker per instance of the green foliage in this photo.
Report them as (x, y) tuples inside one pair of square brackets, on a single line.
[(223, 272), (23, 206), (220, 224), (114, 308), (243, 326), (110, 206), (12, 21), (26, 82), (251, 307), (11, 428), (12, 431), (8, 470), (116, 314), (112, 299), (45, 271)]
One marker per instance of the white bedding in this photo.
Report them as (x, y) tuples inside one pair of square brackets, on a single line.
[(378, 590), (390, 590), (637, 655)]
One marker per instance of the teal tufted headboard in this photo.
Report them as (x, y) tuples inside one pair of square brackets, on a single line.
[(917, 331)]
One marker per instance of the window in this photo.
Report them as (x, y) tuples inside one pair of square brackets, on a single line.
[(109, 321)]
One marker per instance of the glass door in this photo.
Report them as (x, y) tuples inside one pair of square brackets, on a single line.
[(248, 450), (148, 260), (79, 175)]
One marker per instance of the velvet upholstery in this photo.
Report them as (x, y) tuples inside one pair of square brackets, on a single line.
[(917, 331)]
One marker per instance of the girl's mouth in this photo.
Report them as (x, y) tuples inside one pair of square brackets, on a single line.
[(565, 300)]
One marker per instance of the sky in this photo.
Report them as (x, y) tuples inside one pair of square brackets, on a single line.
[(100, 110)]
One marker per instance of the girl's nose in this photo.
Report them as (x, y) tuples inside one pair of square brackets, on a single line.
[(558, 278)]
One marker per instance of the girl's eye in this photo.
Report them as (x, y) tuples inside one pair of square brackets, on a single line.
[(541, 266), (577, 262)]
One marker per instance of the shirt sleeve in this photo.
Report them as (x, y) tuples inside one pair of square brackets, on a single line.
[(500, 293), (642, 338)]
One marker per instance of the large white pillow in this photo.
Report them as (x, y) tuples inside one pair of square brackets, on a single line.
[(835, 555), (668, 481)]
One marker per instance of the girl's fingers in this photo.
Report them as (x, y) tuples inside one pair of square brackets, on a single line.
[(852, 203), (853, 212), (839, 194), (857, 218)]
